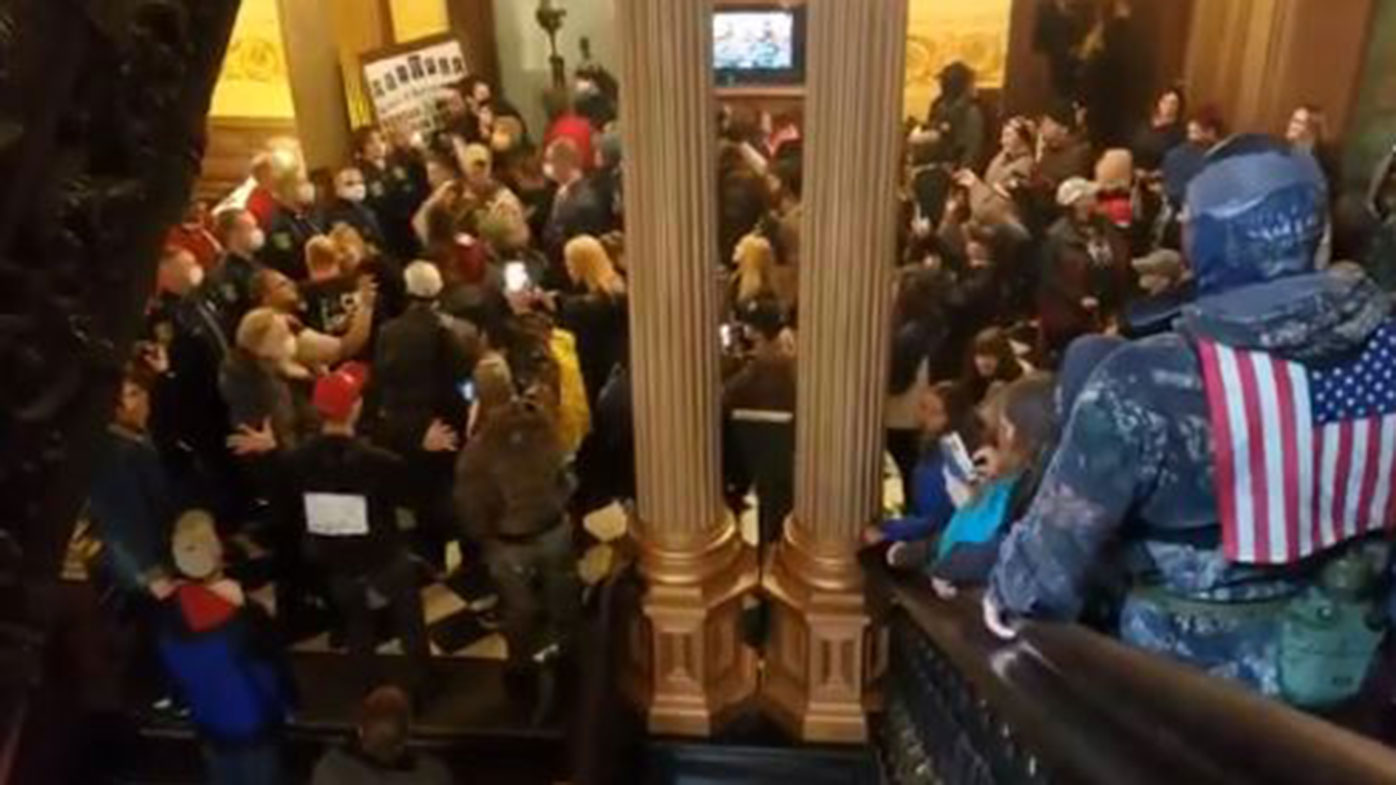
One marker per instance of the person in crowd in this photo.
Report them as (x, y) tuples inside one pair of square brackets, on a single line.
[(232, 282), (1014, 166), (990, 364), (349, 206), (1380, 258), (955, 120), (596, 93), (131, 504), (378, 753), (492, 200), (359, 260), (1114, 181), (1114, 70), (975, 299), (753, 274), (291, 225), (1308, 131), (512, 489), (193, 235), (742, 197), (227, 669), (261, 201), (1061, 153), (1085, 270), (396, 185), (919, 337), (606, 178), (189, 418), (348, 489), (312, 349), (329, 294), (766, 382), (942, 470), (1023, 430), (1164, 130), (596, 314), (1138, 469), (577, 208), (1059, 28), (566, 124), (256, 381), (1182, 163), (422, 364)]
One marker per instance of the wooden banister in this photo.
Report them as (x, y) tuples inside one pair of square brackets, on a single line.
[(1065, 704)]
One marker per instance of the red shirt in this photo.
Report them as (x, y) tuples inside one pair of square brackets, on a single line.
[(261, 204), (198, 241), (576, 128)]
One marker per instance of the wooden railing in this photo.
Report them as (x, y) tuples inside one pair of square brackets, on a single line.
[(1063, 704)]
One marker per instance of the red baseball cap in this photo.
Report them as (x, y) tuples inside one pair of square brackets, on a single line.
[(337, 392)]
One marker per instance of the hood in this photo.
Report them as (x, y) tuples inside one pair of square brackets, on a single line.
[(1307, 318), (1255, 213)]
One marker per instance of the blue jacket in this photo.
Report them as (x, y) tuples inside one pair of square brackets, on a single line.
[(930, 505), (966, 551), (231, 677), (131, 507)]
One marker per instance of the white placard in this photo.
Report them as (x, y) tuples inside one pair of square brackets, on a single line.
[(336, 514), (407, 83)]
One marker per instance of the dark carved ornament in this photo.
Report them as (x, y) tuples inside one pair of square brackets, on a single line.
[(102, 109)]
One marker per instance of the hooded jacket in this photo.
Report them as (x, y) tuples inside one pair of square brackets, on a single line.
[(511, 479), (1135, 466)]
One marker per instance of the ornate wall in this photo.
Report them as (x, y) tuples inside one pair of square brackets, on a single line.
[(255, 81), (943, 31)]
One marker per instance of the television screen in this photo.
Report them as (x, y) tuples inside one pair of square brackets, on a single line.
[(754, 40)]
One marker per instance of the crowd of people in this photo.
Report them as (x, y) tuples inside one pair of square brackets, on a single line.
[(352, 369)]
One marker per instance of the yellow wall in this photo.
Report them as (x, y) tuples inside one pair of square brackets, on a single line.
[(413, 19), (255, 81), (942, 31)]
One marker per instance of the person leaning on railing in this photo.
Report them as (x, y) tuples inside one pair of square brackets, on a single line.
[(1143, 462)]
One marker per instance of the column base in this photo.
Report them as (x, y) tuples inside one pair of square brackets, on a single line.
[(819, 654), (687, 664)]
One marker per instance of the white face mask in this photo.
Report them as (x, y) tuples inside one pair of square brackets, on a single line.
[(305, 193), (256, 240), (354, 193), (549, 172), (196, 276)]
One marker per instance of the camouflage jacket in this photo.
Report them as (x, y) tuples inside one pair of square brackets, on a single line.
[(1135, 468)]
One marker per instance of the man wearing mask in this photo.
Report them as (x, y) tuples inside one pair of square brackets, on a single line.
[(231, 284), (291, 226), (350, 206)]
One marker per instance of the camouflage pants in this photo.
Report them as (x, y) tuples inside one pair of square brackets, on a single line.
[(1237, 647)]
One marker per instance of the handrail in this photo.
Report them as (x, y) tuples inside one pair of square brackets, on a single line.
[(1065, 704)]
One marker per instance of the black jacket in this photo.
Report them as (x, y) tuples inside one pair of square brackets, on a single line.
[(287, 234), (394, 194), (357, 216), (419, 366), (600, 323), (348, 466)]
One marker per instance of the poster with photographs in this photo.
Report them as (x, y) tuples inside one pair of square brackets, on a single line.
[(407, 83)]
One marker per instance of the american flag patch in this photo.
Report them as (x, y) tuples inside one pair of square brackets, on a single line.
[(1304, 456)]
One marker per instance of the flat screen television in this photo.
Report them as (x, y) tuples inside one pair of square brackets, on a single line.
[(759, 45)]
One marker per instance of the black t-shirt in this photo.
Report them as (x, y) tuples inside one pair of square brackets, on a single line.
[(330, 305), (347, 489)]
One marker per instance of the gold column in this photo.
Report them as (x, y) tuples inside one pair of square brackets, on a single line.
[(691, 664), (819, 663)]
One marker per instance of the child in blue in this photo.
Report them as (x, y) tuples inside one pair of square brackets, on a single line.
[(940, 481), (1023, 421)]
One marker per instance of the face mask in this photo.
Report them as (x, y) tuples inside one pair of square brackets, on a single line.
[(305, 193), (196, 276), (256, 240), (549, 172), (354, 193)]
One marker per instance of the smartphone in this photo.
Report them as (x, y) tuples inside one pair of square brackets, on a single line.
[(960, 461), (467, 391), (516, 277)]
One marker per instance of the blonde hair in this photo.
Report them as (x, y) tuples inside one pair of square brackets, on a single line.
[(588, 262), (348, 243), (755, 260), (322, 255)]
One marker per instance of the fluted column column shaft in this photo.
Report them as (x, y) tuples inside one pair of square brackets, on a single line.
[(668, 129), (853, 105)]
